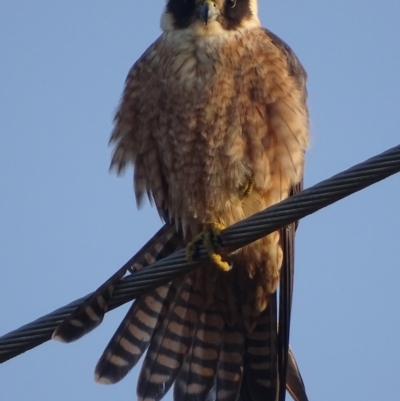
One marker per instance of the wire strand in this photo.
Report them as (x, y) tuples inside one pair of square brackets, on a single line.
[(242, 233)]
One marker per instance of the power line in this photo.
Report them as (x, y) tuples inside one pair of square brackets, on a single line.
[(259, 225)]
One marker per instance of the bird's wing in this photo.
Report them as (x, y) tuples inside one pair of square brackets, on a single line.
[(288, 371), (294, 381)]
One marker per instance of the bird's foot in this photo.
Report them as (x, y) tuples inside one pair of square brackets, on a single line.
[(207, 237)]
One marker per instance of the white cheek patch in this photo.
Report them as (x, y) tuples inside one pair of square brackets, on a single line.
[(254, 8), (166, 22)]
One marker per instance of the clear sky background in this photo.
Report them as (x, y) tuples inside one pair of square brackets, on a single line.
[(66, 224)]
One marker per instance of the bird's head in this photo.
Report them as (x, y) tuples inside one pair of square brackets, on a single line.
[(210, 17)]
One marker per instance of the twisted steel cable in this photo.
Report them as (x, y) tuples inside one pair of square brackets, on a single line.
[(263, 223)]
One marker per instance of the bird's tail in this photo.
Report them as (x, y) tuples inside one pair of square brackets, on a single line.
[(189, 342), (192, 345)]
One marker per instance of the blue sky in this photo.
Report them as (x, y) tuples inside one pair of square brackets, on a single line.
[(66, 224)]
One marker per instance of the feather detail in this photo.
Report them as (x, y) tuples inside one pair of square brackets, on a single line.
[(294, 381), (260, 361), (170, 345), (196, 378), (133, 335)]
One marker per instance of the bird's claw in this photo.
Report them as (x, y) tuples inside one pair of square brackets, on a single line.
[(213, 231)]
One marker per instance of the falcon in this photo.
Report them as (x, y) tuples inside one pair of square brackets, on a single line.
[(214, 120)]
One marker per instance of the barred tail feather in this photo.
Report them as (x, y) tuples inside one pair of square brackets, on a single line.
[(230, 365), (260, 378), (133, 335), (91, 312), (170, 345), (196, 378)]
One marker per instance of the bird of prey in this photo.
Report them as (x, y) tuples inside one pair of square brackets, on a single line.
[(214, 119)]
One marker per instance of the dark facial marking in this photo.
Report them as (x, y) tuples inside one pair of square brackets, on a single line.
[(183, 12), (235, 11)]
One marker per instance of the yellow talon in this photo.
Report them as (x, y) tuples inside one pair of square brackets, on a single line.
[(216, 228), (214, 231)]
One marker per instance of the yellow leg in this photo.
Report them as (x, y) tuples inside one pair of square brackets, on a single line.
[(206, 237)]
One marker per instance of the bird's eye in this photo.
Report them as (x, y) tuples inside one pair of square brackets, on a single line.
[(231, 3)]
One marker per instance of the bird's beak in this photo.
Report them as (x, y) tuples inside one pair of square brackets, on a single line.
[(207, 11)]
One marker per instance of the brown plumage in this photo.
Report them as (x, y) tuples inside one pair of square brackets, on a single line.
[(214, 119)]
